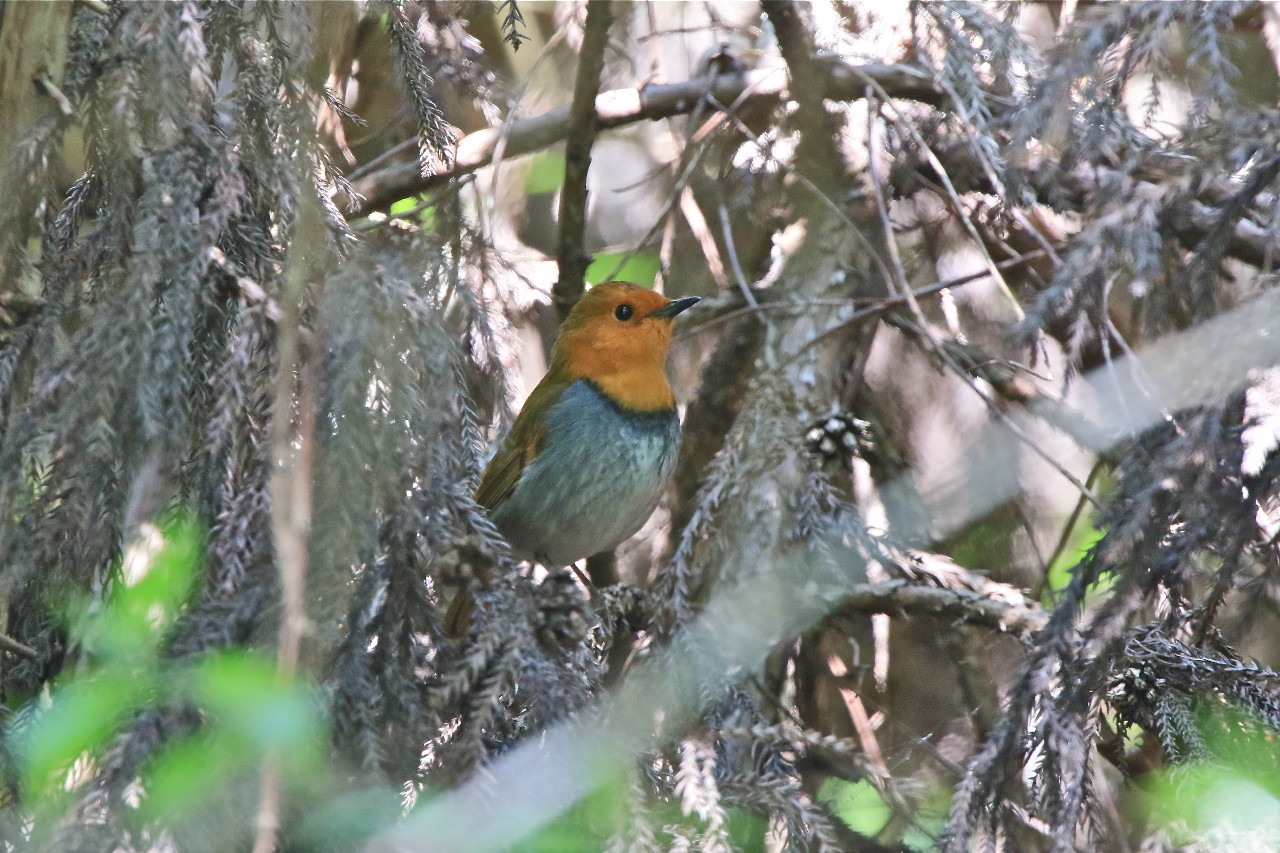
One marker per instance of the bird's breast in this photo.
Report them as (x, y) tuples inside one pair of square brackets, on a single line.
[(599, 475)]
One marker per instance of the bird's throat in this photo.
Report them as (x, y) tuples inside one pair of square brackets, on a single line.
[(642, 389)]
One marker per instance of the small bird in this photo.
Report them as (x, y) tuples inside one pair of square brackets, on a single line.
[(592, 449)]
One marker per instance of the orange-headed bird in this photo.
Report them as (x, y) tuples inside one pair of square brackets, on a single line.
[(594, 445)]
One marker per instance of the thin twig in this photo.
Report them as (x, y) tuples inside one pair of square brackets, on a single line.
[(500, 150), (1248, 241), (952, 196), (726, 228), (923, 331), (877, 307), (831, 206), (8, 644), (702, 233), (691, 155), (571, 252), (1070, 526), (673, 197), (390, 154)]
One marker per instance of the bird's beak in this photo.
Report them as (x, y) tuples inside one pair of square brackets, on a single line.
[(675, 306)]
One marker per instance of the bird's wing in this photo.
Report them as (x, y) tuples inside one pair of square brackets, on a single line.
[(522, 444), (502, 473)]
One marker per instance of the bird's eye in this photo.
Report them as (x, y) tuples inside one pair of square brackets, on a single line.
[(623, 312)]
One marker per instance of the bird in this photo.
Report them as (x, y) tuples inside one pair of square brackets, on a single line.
[(591, 451)]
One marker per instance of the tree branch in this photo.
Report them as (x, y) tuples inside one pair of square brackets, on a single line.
[(818, 155), (621, 107), (570, 252), (8, 644), (900, 597), (1192, 222), (292, 449), (1248, 241)]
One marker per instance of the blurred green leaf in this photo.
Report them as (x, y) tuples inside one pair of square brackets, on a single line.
[(249, 713), (1235, 789), (82, 718), (1082, 538), (858, 804), (427, 218), (641, 268), (986, 543), (120, 638), (242, 692), (152, 586), (404, 205), (929, 820), (186, 774), (422, 212), (546, 175)]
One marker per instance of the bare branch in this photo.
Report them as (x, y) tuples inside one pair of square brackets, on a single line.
[(8, 644), (577, 158), (1246, 240)]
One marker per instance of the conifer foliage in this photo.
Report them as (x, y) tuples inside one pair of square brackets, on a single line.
[(993, 552)]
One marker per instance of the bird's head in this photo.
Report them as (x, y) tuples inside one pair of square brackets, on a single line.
[(617, 336)]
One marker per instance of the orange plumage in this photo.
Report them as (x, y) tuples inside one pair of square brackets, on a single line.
[(590, 452)]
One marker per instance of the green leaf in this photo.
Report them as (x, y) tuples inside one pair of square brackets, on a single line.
[(641, 268), (858, 804), (122, 639), (151, 590), (1234, 790), (546, 175), (243, 693), (404, 205), (188, 774), (82, 718), (250, 712)]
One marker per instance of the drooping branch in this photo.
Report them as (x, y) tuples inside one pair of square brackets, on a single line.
[(577, 158)]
